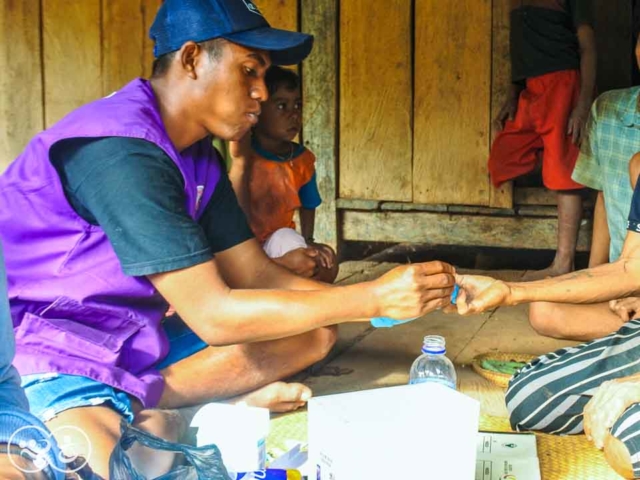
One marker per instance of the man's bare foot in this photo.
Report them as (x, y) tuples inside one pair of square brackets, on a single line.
[(277, 397), (551, 271)]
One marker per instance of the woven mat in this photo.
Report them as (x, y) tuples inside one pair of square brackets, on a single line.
[(285, 430), (561, 458)]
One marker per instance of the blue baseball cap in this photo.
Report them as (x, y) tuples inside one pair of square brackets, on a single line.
[(238, 21)]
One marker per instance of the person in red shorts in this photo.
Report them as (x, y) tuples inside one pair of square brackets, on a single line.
[(553, 70)]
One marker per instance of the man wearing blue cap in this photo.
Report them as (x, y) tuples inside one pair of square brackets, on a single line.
[(123, 207)]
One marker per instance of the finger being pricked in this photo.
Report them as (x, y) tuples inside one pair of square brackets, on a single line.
[(463, 303)]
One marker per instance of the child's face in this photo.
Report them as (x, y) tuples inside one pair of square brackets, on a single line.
[(281, 117)]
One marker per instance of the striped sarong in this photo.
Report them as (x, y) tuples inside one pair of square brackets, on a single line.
[(550, 393)]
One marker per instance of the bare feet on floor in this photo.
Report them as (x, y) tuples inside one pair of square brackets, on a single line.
[(277, 397), (551, 271)]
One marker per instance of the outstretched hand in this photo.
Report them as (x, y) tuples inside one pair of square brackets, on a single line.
[(410, 291), (479, 294)]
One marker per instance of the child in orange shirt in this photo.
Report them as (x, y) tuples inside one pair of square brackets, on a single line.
[(277, 178)]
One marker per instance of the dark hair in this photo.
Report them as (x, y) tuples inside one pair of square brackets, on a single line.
[(213, 47), (277, 77)]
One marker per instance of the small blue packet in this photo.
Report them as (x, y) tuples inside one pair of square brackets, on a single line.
[(386, 322), (454, 294)]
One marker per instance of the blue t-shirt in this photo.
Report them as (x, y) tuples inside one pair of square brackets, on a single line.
[(135, 192)]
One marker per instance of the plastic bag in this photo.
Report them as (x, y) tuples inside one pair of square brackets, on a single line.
[(204, 463)]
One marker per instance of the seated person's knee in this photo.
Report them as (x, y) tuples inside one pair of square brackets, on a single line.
[(518, 416), (634, 169), (544, 318), (618, 456), (523, 402)]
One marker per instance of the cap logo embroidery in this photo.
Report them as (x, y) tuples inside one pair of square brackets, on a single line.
[(251, 7)]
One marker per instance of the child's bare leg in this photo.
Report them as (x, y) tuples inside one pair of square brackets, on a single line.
[(569, 216)]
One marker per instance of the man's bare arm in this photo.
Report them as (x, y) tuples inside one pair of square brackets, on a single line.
[(599, 284), (221, 315)]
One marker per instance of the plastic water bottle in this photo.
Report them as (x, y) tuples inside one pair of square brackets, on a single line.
[(433, 365)]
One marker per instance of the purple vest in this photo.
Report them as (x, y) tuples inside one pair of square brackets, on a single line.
[(74, 310)]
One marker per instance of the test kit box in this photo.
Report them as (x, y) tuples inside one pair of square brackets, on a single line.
[(423, 432), (239, 432)]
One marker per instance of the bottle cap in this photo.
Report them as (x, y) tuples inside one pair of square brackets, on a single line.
[(434, 344)]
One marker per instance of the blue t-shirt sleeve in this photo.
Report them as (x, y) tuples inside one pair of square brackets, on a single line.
[(634, 213), (309, 194)]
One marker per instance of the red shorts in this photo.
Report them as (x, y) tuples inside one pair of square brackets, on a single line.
[(541, 123)]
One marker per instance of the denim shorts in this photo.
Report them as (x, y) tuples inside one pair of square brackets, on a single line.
[(50, 394)]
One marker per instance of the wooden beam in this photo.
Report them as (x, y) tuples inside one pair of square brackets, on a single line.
[(471, 210), (319, 90), (21, 111), (357, 204), (447, 229), (422, 207)]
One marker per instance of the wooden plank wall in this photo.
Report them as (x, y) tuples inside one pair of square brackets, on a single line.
[(280, 13), (21, 107), (89, 49), (613, 36), (452, 98), (375, 100), (72, 55)]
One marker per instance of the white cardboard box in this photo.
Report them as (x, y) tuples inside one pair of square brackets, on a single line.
[(422, 432), (238, 431)]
